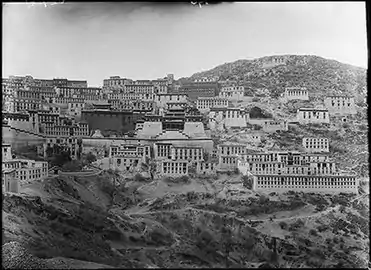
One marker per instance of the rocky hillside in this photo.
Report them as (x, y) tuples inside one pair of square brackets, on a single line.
[(321, 76), (107, 221)]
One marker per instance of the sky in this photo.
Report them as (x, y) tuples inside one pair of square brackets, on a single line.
[(144, 40)]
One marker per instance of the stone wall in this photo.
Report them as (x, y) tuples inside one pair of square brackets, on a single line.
[(107, 121), (20, 139)]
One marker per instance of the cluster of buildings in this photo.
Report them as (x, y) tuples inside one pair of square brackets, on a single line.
[(15, 172), (129, 124)]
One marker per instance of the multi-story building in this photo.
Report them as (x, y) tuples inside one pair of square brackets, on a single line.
[(88, 93), (228, 154), (168, 151), (172, 168), (116, 82), (196, 90), (283, 171), (45, 92), (64, 143), (274, 125), (205, 80), (296, 93), (162, 99), (229, 117), (139, 90), (10, 182), (271, 62), (126, 157), (18, 120), (161, 86), (109, 121), (204, 104), (74, 129), (313, 116), (232, 93), (340, 105), (316, 144), (19, 171), (318, 183)]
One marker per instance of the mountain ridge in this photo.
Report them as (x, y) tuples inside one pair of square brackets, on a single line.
[(321, 76)]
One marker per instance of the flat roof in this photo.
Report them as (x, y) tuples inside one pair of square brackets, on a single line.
[(302, 175), (313, 109)]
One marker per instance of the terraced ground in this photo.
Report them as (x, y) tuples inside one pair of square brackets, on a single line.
[(202, 223)]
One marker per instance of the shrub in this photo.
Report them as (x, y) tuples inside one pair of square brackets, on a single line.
[(139, 178), (247, 182), (90, 157), (179, 180), (313, 232), (322, 228), (296, 225), (72, 166), (283, 225)]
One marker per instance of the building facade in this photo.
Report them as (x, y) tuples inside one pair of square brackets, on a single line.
[(204, 104), (232, 93), (340, 105), (296, 93), (315, 145), (313, 116), (325, 184)]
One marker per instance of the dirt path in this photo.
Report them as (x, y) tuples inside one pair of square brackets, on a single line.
[(246, 220)]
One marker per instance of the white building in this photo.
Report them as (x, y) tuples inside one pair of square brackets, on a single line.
[(271, 126), (313, 116), (340, 105), (66, 143), (296, 93), (315, 145), (284, 171), (273, 62), (228, 117), (162, 99), (126, 157), (315, 183), (204, 104), (232, 93), (205, 80), (19, 171)]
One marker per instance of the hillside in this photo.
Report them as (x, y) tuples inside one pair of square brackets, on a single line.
[(87, 222), (321, 76)]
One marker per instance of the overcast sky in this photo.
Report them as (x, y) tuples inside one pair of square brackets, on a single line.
[(93, 41)]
